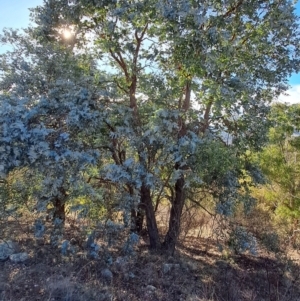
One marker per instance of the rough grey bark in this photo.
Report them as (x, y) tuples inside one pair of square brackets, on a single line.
[(172, 235), (146, 202)]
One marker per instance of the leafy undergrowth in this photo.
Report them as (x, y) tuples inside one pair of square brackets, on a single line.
[(198, 271)]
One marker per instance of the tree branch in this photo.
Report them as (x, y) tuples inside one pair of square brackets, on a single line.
[(198, 204), (119, 59), (233, 9)]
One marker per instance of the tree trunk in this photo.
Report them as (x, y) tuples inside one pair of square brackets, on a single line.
[(59, 209), (137, 215), (146, 202), (172, 235), (137, 220), (58, 220)]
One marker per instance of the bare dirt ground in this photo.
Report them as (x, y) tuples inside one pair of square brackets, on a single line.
[(198, 271)]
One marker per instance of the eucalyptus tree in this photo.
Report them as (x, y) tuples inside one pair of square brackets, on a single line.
[(182, 76), (46, 110)]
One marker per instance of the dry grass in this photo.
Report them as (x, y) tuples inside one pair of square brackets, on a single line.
[(204, 272)]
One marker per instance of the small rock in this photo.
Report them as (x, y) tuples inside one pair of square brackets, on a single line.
[(19, 257), (191, 266), (168, 267), (150, 288), (7, 248), (107, 275), (121, 263), (129, 276), (65, 247)]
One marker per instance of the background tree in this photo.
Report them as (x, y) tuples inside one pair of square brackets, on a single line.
[(279, 160), (183, 75)]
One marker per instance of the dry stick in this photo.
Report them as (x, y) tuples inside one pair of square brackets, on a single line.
[(197, 203), (269, 282), (84, 267)]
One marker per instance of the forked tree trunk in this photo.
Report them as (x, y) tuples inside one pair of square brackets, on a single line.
[(146, 202), (172, 235)]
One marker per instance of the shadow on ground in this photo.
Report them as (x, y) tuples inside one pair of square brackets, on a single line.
[(199, 271)]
